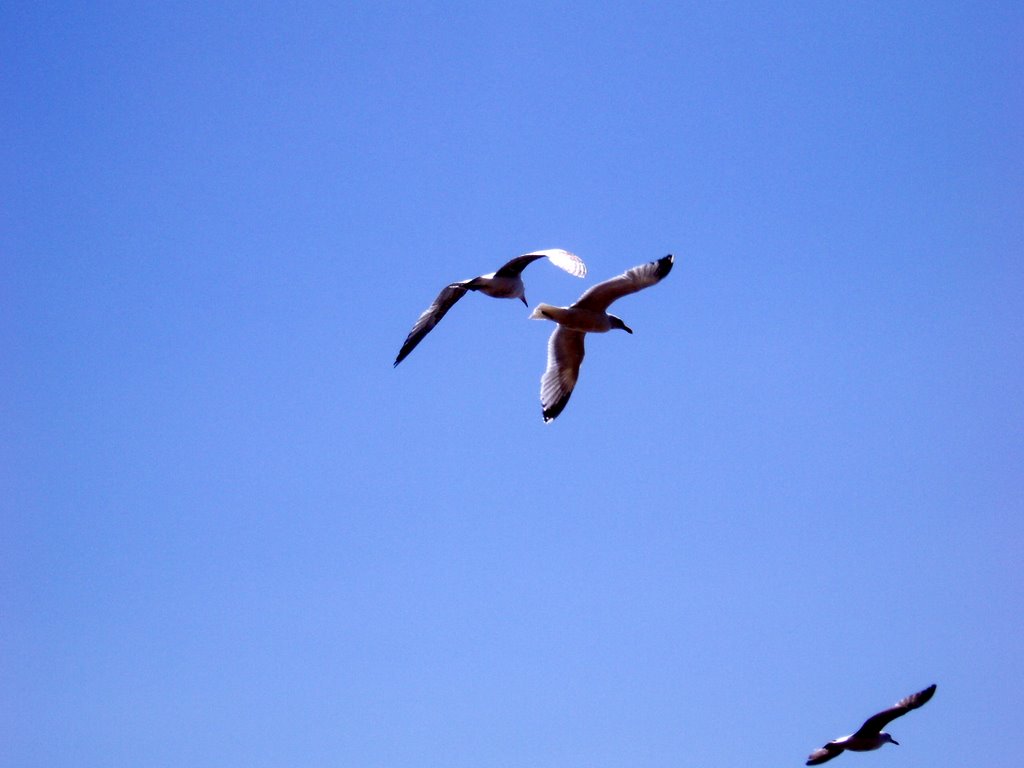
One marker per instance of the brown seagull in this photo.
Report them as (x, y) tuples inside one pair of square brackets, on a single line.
[(587, 315), (871, 736)]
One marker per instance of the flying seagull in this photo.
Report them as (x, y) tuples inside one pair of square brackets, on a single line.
[(506, 283), (587, 315), (871, 736)]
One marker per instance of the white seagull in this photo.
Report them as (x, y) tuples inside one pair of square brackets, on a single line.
[(587, 315), (871, 736), (506, 283)]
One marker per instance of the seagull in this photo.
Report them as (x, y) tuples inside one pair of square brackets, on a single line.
[(506, 283), (871, 736), (587, 315)]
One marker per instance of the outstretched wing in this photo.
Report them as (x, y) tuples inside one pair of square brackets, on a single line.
[(826, 753), (431, 316), (599, 297), (565, 353), (874, 724), (570, 262)]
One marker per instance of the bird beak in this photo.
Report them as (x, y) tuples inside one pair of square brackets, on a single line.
[(894, 741), (523, 299), (626, 328)]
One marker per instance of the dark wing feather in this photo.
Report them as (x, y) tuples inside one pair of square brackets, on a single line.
[(823, 755), (599, 297), (431, 316), (874, 724), (515, 267), (560, 257), (565, 353)]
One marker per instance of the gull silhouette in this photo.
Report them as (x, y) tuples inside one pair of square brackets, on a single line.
[(506, 283), (871, 736), (587, 315)]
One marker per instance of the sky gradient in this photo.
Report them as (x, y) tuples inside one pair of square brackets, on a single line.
[(234, 535)]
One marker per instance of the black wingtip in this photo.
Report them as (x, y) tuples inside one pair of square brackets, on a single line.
[(552, 411), (664, 265)]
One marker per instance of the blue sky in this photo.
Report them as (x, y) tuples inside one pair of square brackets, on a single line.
[(233, 534)]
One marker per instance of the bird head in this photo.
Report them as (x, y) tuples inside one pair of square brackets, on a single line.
[(617, 323), (887, 738)]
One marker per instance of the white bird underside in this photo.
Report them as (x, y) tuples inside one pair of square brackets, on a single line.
[(506, 283), (870, 735), (586, 315)]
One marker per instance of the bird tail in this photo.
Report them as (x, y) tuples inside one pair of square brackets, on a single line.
[(541, 312)]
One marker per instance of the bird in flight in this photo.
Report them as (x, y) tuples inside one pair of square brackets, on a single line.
[(587, 315), (506, 283), (871, 736)]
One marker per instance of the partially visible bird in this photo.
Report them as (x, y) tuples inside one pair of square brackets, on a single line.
[(506, 283), (587, 315), (871, 736)]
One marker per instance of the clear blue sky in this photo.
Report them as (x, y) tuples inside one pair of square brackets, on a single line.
[(232, 534)]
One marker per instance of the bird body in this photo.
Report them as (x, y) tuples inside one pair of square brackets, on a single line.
[(574, 318), (870, 735), (505, 283), (588, 314), (496, 286), (853, 743)]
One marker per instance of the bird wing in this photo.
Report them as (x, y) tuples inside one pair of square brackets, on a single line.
[(599, 297), (826, 753), (570, 262), (874, 724), (565, 353), (431, 316)]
